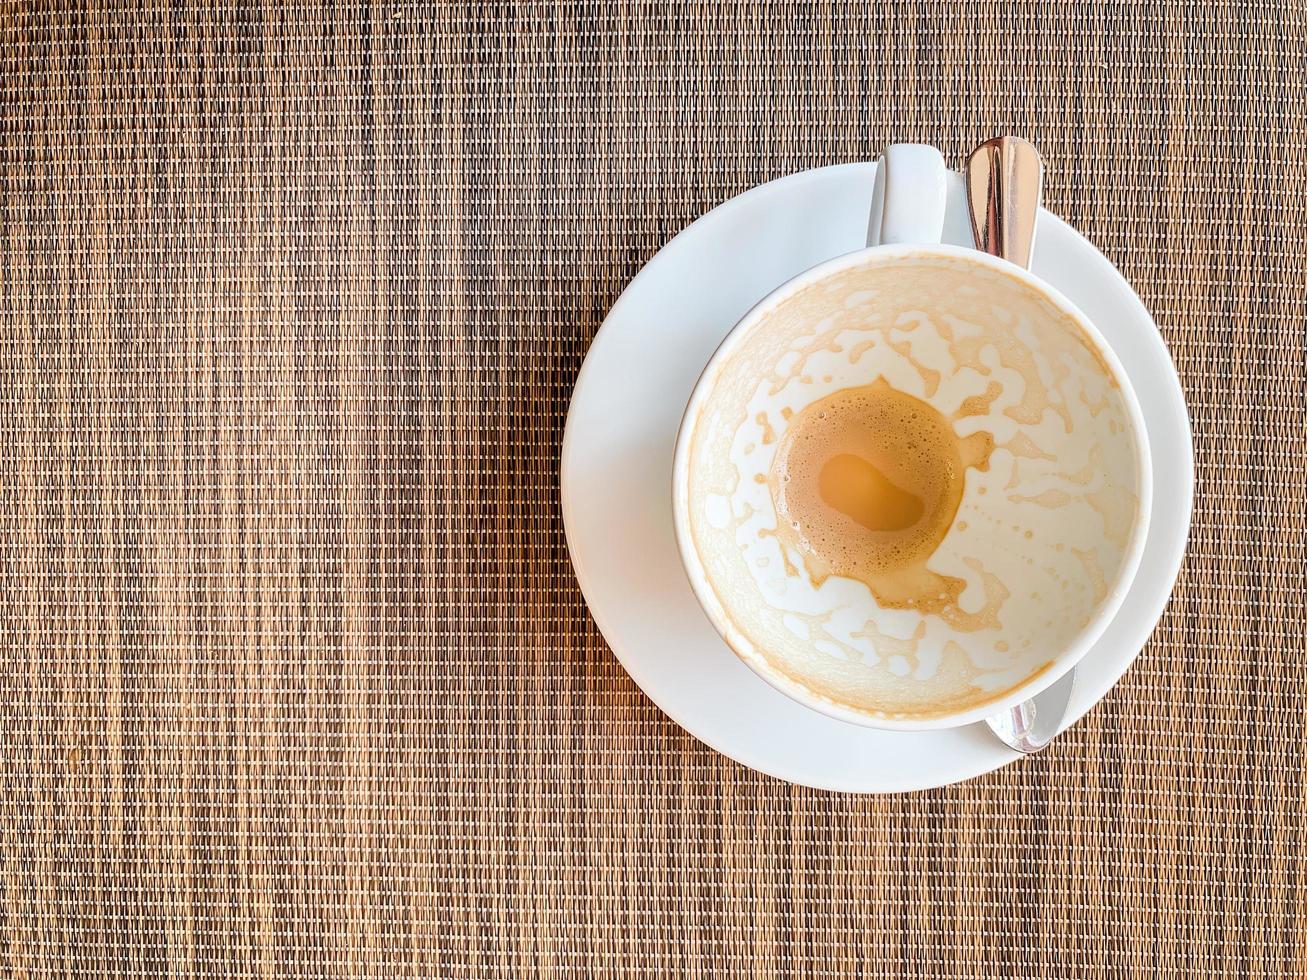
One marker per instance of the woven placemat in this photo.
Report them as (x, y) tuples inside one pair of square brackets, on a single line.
[(295, 679)]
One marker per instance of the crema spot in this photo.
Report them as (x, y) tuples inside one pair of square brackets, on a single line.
[(867, 482)]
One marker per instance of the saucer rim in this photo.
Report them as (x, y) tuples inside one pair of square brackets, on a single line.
[(748, 754)]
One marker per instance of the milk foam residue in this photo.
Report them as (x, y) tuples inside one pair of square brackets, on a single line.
[(866, 483)]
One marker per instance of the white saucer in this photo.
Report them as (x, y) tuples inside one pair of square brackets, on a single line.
[(616, 480)]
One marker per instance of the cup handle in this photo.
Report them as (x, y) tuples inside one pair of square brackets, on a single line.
[(914, 181)]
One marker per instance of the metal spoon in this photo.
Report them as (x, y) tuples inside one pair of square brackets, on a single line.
[(1004, 178), (1032, 724)]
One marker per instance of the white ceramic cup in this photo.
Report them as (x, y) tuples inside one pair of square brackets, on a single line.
[(1047, 538)]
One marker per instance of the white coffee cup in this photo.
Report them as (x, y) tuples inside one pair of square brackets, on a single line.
[(1046, 539)]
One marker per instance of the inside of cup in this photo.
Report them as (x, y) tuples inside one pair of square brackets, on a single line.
[(1044, 532)]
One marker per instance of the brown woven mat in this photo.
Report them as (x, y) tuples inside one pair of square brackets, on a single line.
[(296, 679)]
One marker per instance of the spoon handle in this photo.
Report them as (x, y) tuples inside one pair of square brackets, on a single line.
[(1005, 178)]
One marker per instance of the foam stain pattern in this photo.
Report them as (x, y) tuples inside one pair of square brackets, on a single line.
[(296, 680)]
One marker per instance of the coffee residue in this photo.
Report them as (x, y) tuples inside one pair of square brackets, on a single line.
[(867, 482)]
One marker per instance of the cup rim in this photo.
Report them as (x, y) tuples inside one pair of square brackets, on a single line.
[(746, 651)]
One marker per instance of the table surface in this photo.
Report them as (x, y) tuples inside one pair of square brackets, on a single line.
[(296, 679)]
